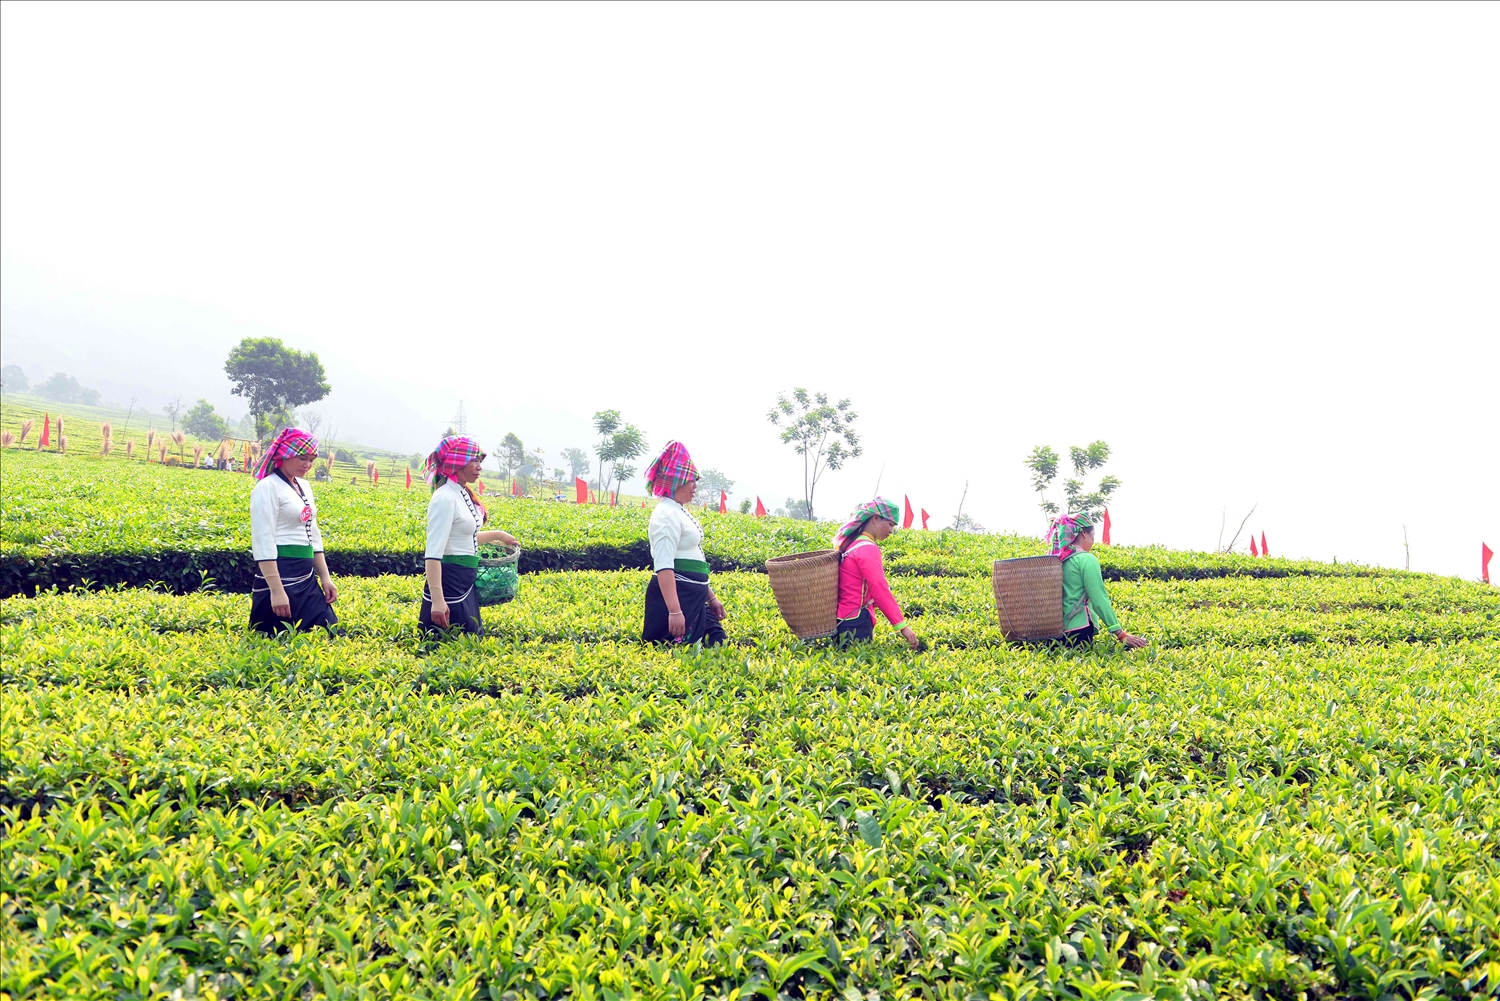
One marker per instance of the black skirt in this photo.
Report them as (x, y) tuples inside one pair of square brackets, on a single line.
[(859, 627), (310, 608), (1080, 637), (700, 626), (462, 599)]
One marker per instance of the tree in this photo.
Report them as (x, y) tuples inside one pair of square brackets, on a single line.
[(618, 442), (13, 380), (710, 482), (821, 433), (622, 472), (273, 378), (794, 509), (1044, 464), (745, 506), (512, 455), (173, 410), (202, 422), (310, 421), (577, 460), (966, 523), (65, 389)]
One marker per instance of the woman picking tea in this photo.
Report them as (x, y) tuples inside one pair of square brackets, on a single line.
[(681, 606), (862, 583), (454, 520), (1084, 600), (286, 542)]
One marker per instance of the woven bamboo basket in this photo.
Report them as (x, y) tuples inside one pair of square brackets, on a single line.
[(806, 586), (498, 578), (1028, 596)]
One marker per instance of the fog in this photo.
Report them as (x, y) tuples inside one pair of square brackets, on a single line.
[(1250, 246)]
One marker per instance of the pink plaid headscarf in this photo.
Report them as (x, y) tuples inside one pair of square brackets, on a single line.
[(452, 454), (671, 469), (1064, 531), (290, 442)]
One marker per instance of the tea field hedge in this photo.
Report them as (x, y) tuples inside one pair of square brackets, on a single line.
[(69, 521), (1294, 792)]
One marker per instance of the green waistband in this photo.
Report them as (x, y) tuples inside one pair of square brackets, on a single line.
[(690, 566), (295, 552), (472, 562)]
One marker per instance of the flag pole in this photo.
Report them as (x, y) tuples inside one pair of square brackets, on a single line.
[(879, 478)]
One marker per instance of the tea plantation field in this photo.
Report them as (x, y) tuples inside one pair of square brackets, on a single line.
[(1294, 792)]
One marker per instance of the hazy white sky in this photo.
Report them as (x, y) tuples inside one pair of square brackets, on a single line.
[(1253, 246)]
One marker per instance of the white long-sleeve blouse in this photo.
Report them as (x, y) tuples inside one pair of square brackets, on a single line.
[(453, 523), (276, 517), (674, 535)]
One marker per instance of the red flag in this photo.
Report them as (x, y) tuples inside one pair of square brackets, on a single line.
[(760, 509), (924, 519), (46, 438), (1106, 526), (1485, 552), (377, 476), (614, 498), (581, 489), (907, 520), (1253, 550), (479, 486), (408, 477), (723, 502), (515, 488), (643, 505), (1265, 550)]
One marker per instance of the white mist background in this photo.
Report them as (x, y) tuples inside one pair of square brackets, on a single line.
[(1250, 246)]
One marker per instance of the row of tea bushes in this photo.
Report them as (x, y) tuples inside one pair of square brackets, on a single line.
[(1282, 797)]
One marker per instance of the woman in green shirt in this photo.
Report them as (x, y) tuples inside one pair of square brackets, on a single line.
[(1084, 602)]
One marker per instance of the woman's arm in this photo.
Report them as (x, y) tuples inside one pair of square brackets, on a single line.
[(676, 623), (495, 535), (439, 524), (281, 605), (715, 605), (1093, 586), (435, 588), (870, 564), (320, 564)]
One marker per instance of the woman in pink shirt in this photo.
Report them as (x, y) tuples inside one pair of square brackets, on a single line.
[(862, 585)]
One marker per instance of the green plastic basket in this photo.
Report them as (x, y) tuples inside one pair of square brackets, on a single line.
[(499, 577)]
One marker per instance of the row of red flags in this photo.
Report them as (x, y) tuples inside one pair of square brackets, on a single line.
[(1264, 549)]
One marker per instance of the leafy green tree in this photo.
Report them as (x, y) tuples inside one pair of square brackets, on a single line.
[(202, 422), (577, 460), (794, 509), (1044, 464), (13, 379), (820, 432), (622, 472), (273, 378), (65, 389), (745, 505), (710, 482), (619, 442), (512, 455)]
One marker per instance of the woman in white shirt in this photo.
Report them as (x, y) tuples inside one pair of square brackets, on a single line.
[(454, 520), (681, 606), (286, 542)]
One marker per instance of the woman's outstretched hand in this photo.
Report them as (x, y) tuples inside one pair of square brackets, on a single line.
[(1134, 642), (911, 638), (330, 591), (716, 607)]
